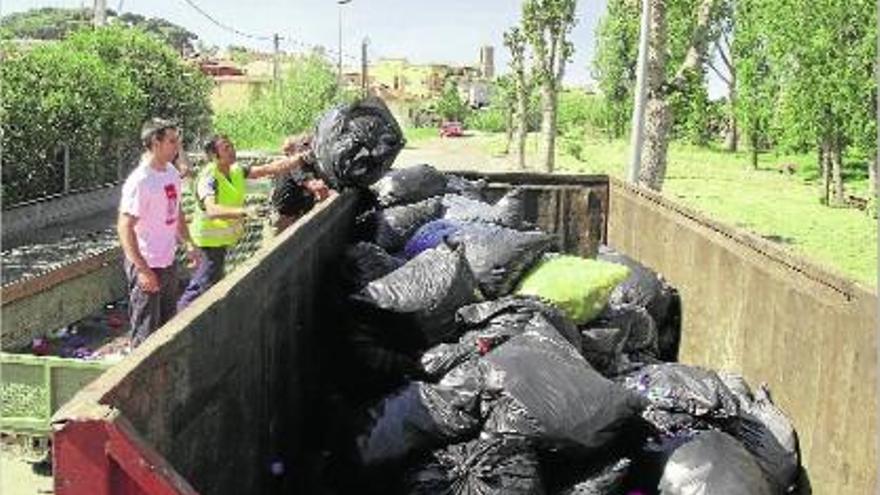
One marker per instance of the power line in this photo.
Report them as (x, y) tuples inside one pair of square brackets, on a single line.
[(327, 51), (224, 26)]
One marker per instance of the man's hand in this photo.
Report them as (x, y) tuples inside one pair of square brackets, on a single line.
[(148, 281), (318, 188), (297, 144), (193, 256)]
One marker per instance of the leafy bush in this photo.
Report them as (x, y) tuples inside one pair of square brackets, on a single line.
[(580, 111), (490, 119), (90, 92), (305, 92), (53, 95), (450, 106), (174, 90)]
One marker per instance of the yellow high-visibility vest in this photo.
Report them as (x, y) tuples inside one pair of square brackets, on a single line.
[(220, 232)]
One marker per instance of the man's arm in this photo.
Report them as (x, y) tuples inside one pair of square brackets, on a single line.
[(125, 229), (214, 210), (192, 252), (278, 166)]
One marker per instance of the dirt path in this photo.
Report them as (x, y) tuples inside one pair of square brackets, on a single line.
[(463, 153)]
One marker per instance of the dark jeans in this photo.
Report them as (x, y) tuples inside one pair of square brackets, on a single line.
[(149, 311), (208, 273)]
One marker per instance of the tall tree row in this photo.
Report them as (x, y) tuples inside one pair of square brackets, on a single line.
[(516, 43), (544, 32), (799, 76)]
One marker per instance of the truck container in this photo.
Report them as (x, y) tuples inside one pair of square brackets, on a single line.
[(231, 390)]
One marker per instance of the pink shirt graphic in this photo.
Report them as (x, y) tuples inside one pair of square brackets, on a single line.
[(153, 197)]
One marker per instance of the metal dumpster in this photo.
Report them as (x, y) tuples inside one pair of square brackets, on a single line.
[(229, 386)]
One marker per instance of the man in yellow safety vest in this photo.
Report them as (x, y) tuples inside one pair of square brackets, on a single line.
[(219, 218)]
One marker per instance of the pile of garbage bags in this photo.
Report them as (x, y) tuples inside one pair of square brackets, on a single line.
[(483, 361)]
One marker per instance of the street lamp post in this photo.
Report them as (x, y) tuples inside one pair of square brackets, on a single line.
[(340, 3)]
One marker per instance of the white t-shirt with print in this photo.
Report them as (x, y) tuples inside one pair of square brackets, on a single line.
[(153, 196)]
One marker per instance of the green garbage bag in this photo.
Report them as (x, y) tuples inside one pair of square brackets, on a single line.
[(580, 286)]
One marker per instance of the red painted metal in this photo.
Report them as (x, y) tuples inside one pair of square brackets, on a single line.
[(104, 457)]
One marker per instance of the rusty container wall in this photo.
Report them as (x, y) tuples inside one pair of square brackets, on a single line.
[(571, 206), (224, 389), (750, 307)]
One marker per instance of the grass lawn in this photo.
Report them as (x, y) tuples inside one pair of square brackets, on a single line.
[(416, 134), (783, 208)]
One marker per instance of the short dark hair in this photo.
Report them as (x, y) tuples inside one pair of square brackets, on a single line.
[(155, 128), (211, 145)]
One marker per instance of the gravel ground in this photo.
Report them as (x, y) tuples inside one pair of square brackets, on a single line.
[(34, 259)]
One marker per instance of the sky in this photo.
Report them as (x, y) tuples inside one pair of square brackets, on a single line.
[(422, 31)]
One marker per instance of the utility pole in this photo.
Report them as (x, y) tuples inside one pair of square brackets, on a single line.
[(641, 96), (276, 76), (364, 79), (340, 3), (100, 13)]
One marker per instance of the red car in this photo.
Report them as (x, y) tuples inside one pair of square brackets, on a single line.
[(451, 129)]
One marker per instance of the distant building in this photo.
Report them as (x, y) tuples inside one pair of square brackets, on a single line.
[(216, 68), (396, 78), (487, 62)]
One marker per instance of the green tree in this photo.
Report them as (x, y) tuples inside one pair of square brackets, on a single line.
[(546, 25), (173, 88), (53, 97), (48, 23), (757, 89), (515, 42), (306, 91), (821, 57), (450, 105), (614, 66), (658, 111), (52, 23)]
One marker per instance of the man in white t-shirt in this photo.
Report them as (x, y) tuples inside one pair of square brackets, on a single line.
[(149, 226)]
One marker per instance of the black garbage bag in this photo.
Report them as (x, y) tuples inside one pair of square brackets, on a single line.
[(509, 211), (378, 360), (443, 358), (713, 463), (766, 433), (517, 311), (649, 290), (394, 226), (365, 262), (620, 339), (492, 323), (500, 256), (429, 235), (681, 396), (542, 388), (422, 416), (428, 289), (409, 185), (488, 465), (356, 143), (290, 197), (473, 189), (607, 480)]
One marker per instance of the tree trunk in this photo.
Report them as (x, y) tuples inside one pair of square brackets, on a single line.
[(547, 145), (732, 137), (753, 148), (825, 161), (522, 128), (700, 38), (872, 176), (658, 119), (657, 115), (837, 172), (508, 130)]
